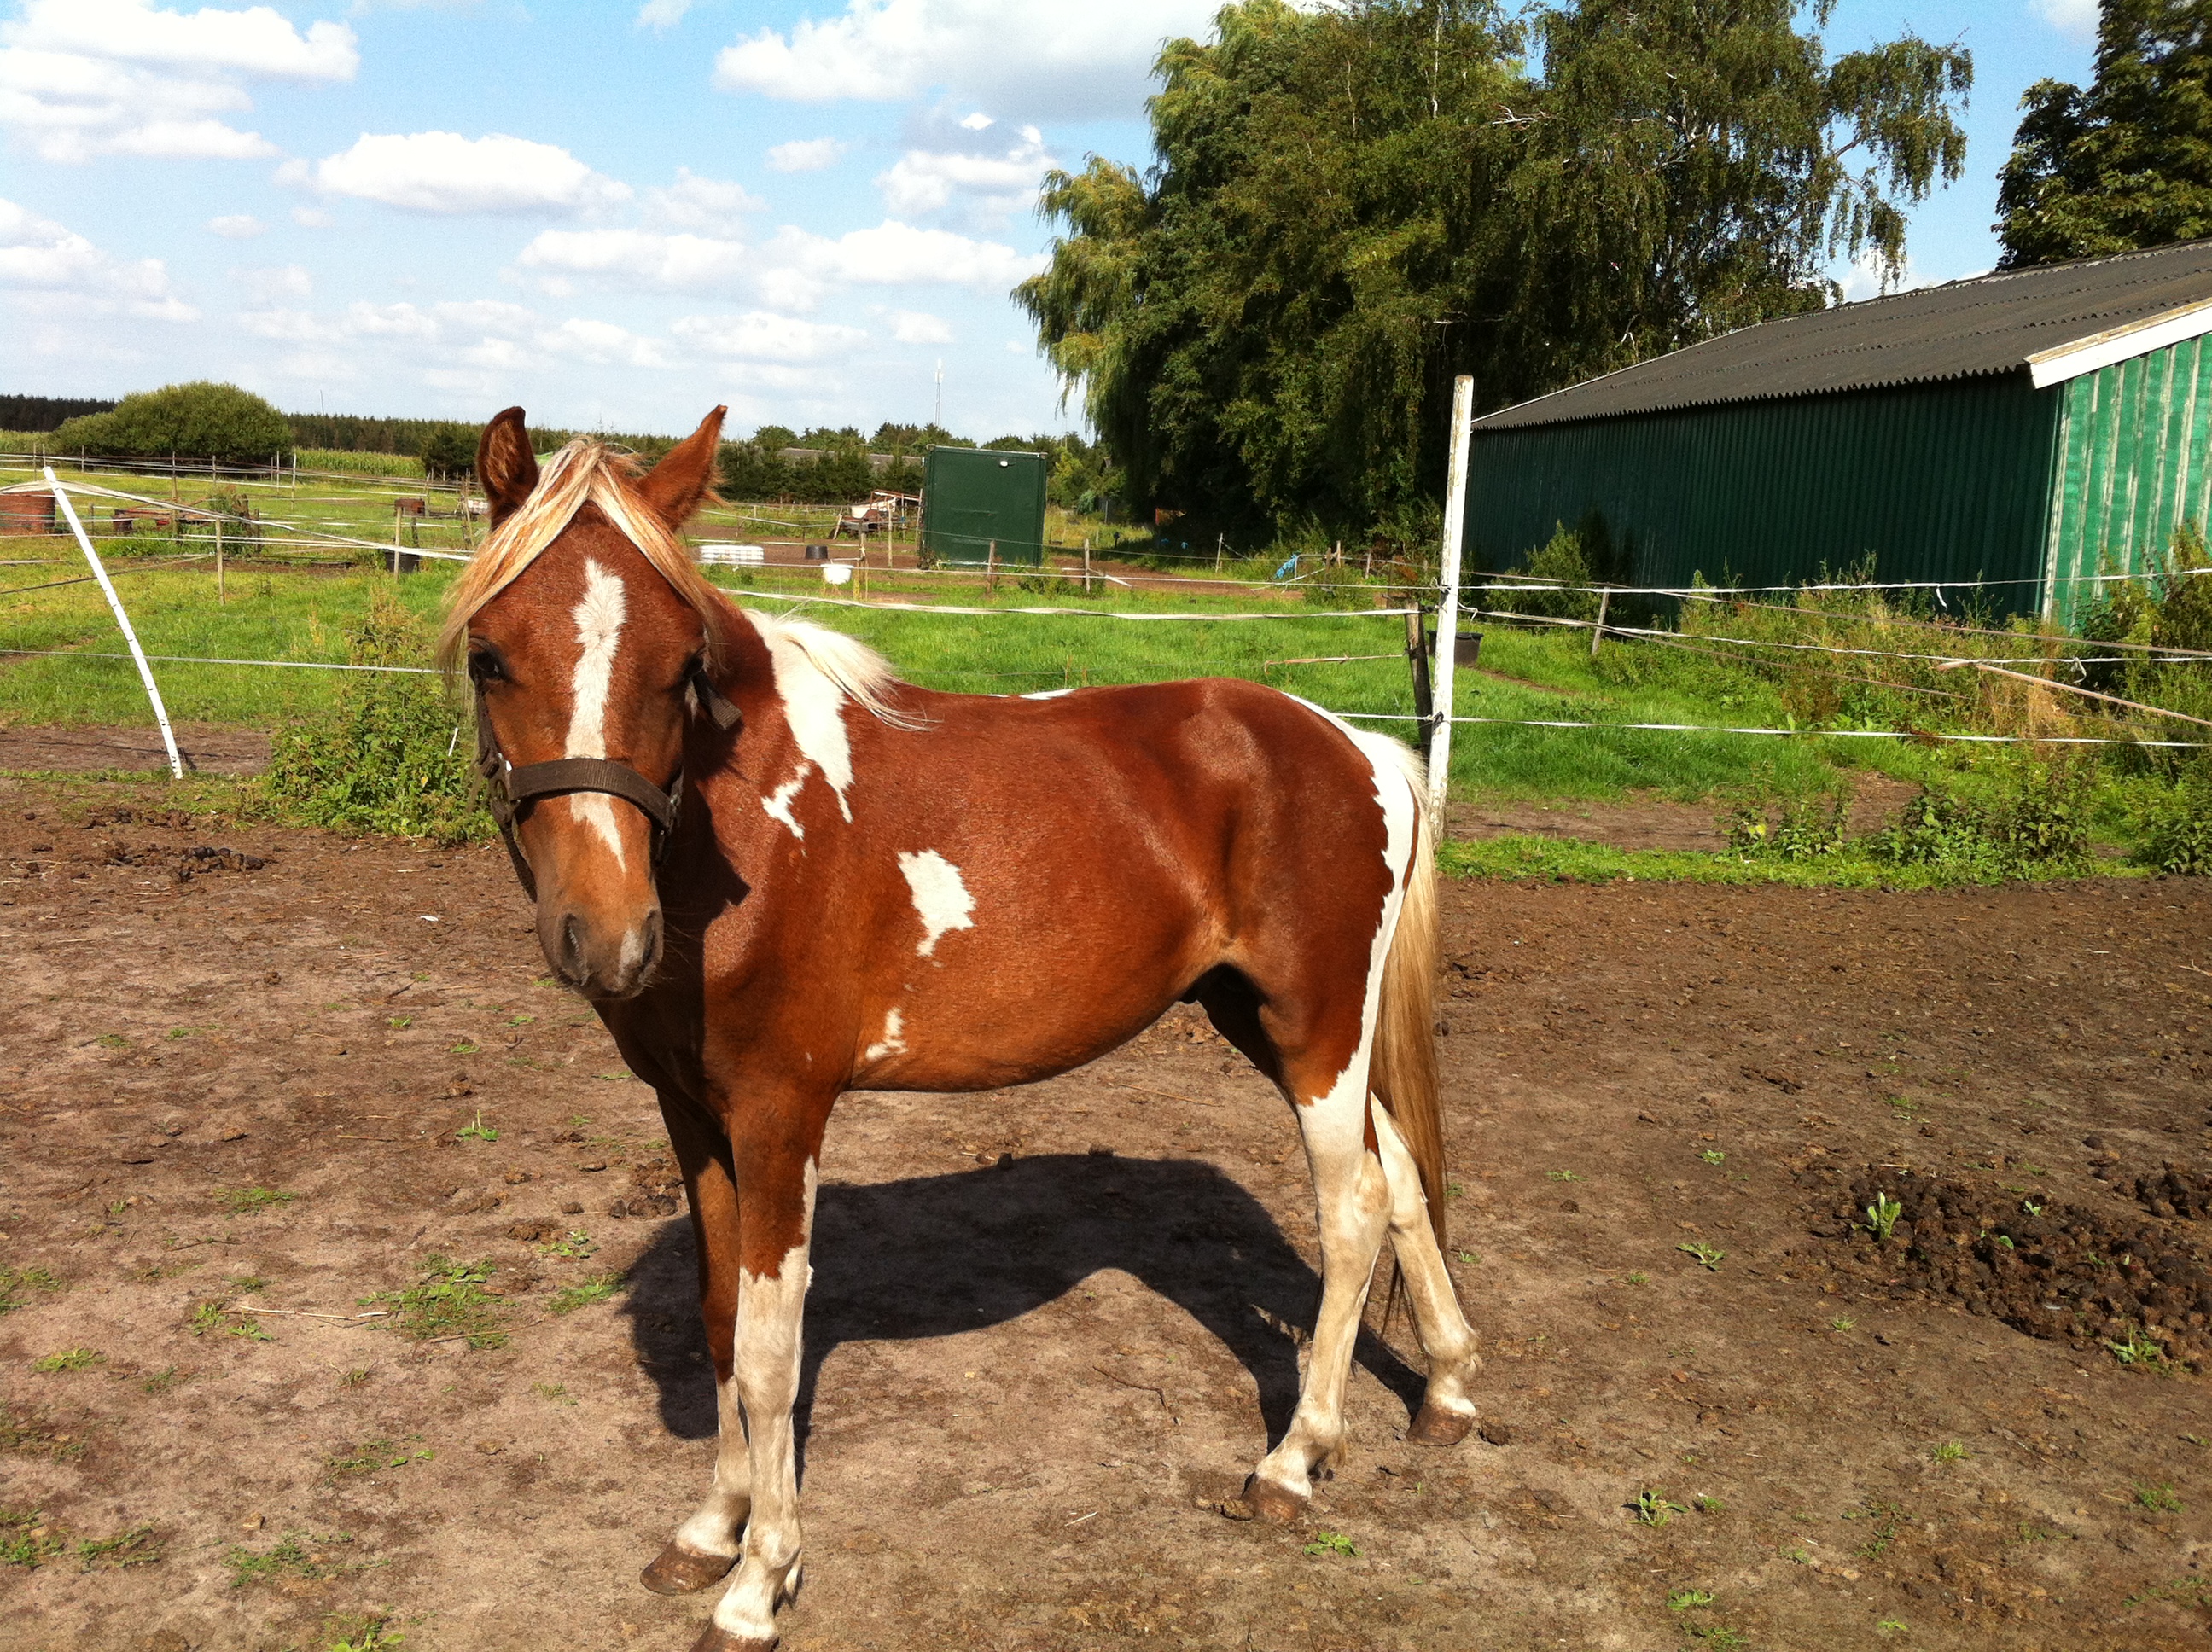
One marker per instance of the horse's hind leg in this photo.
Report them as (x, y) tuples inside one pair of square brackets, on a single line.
[(1354, 1200), (1447, 1408), (707, 1544)]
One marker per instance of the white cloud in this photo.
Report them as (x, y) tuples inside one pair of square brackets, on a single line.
[(483, 333), (447, 174), (995, 183), (603, 344), (807, 155), (312, 218), (2074, 18), (268, 284), (760, 335), (237, 226), (1864, 279), (80, 78), (695, 203), (1069, 59), (638, 258), (40, 256), (919, 327), (800, 264), (661, 16)]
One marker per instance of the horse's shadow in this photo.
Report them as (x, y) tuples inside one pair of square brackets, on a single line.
[(929, 1256)]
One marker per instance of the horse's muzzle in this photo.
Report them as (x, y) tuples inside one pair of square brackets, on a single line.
[(599, 959)]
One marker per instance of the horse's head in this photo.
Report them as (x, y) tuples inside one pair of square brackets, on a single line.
[(588, 632)]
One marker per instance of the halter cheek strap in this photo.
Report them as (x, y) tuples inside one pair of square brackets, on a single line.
[(508, 788)]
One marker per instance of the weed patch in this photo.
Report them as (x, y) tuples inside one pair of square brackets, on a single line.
[(448, 1301), (353, 1462), (598, 1289), (68, 1359), (295, 1555), (250, 1201), (16, 1284)]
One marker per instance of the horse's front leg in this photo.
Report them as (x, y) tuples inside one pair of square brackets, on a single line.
[(775, 1156), (708, 1542)]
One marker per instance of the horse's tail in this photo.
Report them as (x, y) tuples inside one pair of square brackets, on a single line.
[(1402, 1071)]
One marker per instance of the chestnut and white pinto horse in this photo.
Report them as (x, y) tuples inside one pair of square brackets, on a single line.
[(780, 874)]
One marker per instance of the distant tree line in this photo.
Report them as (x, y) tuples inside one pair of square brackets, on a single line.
[(45, 412)]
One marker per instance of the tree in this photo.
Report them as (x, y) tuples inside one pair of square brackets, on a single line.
[(1356, 203), (200, 421), (451, 450), (2126, 164)]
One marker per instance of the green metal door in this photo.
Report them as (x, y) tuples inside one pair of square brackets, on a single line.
[(979, 501)]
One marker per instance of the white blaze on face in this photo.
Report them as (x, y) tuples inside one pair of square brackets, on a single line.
[(598, 619), (940, 896)]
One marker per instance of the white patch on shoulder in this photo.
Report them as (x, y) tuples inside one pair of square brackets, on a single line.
[(1047, 693), (599, 615), (778, 804), (814, 707), (940, 896), (891, 1043)]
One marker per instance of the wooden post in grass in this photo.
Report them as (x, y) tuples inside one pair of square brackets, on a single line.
[(1086, 564), (218, 561), (1463, 420), (1597, 631), (1417, 660), (122, 620)]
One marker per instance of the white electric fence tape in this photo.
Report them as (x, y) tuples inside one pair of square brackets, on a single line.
[(123, 620)]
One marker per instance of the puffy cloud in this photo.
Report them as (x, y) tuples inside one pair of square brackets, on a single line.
[(312, 218), (2075, 18), (237, 226), (919, 327), (639, 257), (270, 284), (661, 16), (80, 78), (807, 155), (800, 264), (38, 255), (695, 203), (762, 336), (1070, 58), (990, 174), (447, 174), (484, 333)]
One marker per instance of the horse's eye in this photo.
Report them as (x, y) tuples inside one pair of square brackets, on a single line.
[(483, 666)]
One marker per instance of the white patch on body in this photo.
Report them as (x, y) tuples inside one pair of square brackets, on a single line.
[(598, 619), (814, 707), (778, 804), (891, 1043), (1047, 693), (940, 896)]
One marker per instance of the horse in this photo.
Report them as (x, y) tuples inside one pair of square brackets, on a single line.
[(778, 873)]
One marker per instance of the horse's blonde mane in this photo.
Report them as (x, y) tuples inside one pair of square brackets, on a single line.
[(585, 472), (857, 671)]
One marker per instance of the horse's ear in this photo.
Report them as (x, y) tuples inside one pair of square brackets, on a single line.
[(506, 468), (675, 485)]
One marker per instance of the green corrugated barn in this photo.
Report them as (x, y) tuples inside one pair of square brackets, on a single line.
[(2026, 428), (984, 505)]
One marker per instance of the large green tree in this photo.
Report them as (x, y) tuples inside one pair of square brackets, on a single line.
[(202, 420), (2127, 163), (1353, 204)]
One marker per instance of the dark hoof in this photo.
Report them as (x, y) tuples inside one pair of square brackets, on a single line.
[(717, 1639), (1270, 1502), (679, 1570), (1435, 1426)]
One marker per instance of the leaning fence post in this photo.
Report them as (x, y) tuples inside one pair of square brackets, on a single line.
[(1462, 417), (122, 619), (1597, 631)]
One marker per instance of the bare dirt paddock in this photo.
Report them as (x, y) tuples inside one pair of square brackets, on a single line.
[(1052, 1328)]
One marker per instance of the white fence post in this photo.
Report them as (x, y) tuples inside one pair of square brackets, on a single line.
[(137, 653), (1462, 417)]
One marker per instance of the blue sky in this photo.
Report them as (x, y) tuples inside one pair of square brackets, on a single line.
[(620, 214)]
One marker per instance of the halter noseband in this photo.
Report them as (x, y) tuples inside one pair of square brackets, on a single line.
[(508, 788)]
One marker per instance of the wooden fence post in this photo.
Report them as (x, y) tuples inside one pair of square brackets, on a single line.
[(1597, 631), (1462, 421)]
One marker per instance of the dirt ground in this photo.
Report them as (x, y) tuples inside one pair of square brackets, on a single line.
[(1052, 1328)]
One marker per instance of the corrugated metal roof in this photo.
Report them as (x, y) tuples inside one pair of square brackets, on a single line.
[(1989, 324)]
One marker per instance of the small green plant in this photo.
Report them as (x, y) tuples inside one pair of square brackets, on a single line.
[(1714, 1156), (1562, 1176), (1888, 1520), (1842, 1322), (135, 1547), (216, 1314), (1652, 1509), (1636, 1278), (373, 1633), (370, 1456), (1890, 1626), (247, 1201), (1684, 1599), (576, 1244), (399, 1022), (1796, 1553), (1950, 1451), (2139, 1351), (465, 1047), (1708, 1505), (2159, 1499), (28, 1539), (1708, 1256), (161, 1382), (293, 1555), (1469, 1258), (520, 1020), (68, 1359), (448, 1301), (554, 1392), (477, 1130), (354, 1378), (15, 1281), (2031, 1207), (585, 1292), (112, 1041), (1881, 1217), (1719, 1635), (1331, 1543)]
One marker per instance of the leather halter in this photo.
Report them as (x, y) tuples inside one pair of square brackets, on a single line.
[(507, 789)]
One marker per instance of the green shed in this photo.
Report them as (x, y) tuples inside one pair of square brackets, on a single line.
[(2024, 428), (978, 499)]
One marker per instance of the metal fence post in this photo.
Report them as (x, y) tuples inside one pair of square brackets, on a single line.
[(1462, 417)]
